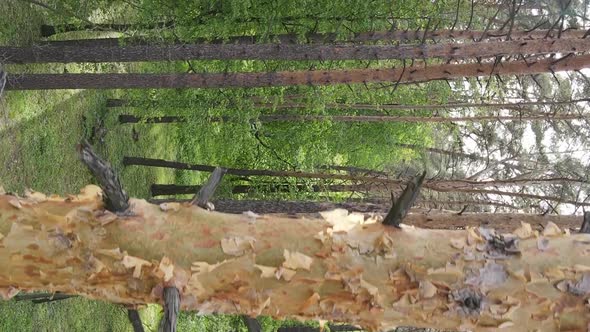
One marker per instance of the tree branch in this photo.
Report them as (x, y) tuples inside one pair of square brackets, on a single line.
[(115, 198)]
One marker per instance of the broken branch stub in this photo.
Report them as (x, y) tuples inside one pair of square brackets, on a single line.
[(345, 268), (116, 199), (402, 206), (206, 192)]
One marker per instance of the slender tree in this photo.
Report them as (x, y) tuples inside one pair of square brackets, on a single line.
[(413, 74), (360, 37), (388, 184), (134, 53), (517, 106), (127, 118)]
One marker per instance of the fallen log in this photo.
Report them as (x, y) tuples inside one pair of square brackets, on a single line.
[(343, 268)]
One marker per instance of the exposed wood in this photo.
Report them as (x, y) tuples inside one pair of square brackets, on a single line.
[(414, 74), (287, 52), (368, 274)]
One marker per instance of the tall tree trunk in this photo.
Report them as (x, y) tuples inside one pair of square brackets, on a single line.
[(453, 154), (127, 118), (174, 189), (414, 74), (373, 275), (135, 53), (50, 30), (466, 186), (519, 106), (360, 37), (139, 161)]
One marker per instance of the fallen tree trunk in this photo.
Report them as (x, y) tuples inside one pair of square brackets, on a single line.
[(337, 269)]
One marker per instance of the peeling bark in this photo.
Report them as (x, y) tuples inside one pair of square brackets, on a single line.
[(343, 268)]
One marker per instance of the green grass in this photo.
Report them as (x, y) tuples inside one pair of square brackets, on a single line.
[(75, 314)]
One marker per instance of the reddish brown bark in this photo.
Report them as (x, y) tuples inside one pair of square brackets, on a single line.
[(415, 74), (258, 103), (136, 53), (467, 186)]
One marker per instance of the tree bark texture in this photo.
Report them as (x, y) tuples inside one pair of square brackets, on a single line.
[(413, 74), (457, 185), (128, 118), (50, 30), (174, 189), (360, 37), (289, 52), (521, 106), (291, 207), (343, 268)]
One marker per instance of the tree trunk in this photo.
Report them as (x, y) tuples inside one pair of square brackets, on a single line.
[(50, 30), (466, 186), (453, 154), (290, 52), (372, 275), (174, 189), (520, 106), (414, 74), (361, 37), (127, 118), (139, 161)]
